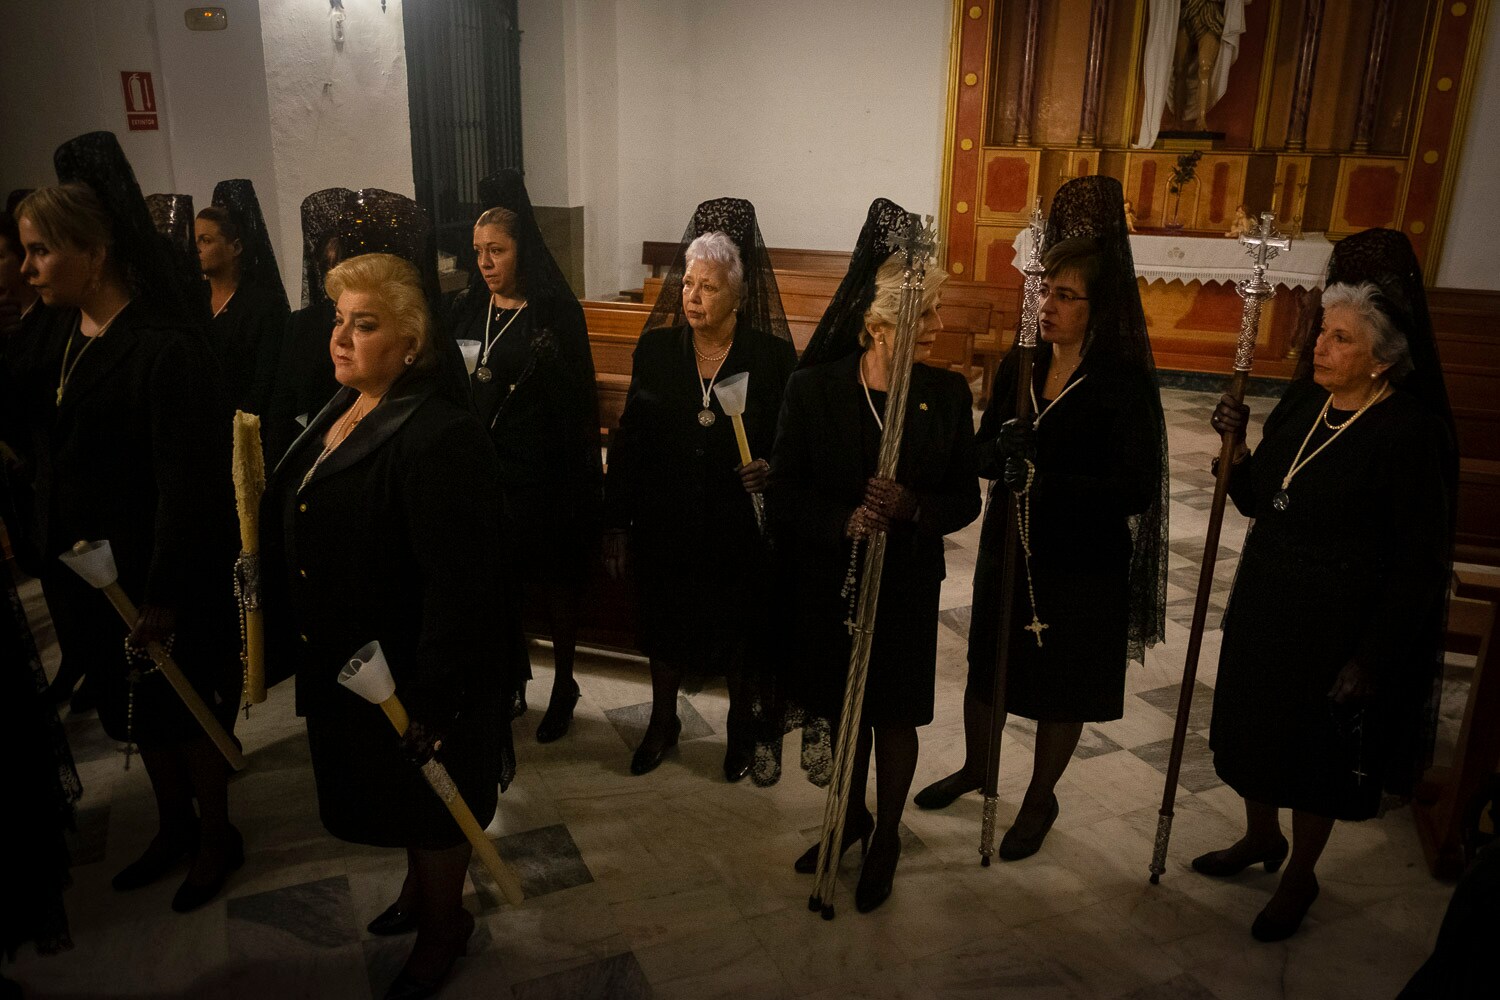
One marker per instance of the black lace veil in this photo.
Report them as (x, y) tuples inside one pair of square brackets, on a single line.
[(1385, 258), (172, 215), (760, 307), (258, 257), (156, 271), (540, 278), (837, 333), (1118, 344)]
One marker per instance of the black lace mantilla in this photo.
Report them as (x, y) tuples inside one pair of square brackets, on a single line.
[(837, 334), (258, 257), (761, 306)]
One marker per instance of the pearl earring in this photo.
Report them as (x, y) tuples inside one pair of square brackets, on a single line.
[(411, 359)]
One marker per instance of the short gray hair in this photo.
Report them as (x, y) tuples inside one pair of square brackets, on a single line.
[(1369, 304), (720, 249)]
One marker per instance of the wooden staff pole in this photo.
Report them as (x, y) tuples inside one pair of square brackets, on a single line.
[(1264, 242), (249, 484), (442, 783), (173, 673), (1026, 348), (919, 242)]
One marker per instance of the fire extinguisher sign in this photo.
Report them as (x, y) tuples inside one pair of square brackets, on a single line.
[(140, 101)]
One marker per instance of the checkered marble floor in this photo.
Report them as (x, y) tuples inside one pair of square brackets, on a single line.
[(678, 885)]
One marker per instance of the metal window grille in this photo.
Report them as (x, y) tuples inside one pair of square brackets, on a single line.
[(463, 68)]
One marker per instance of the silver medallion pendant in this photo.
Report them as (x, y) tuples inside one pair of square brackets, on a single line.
[(706, 417), (483, 374), (1280, 502)]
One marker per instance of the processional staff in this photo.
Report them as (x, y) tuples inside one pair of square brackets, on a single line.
[(95, 562), (1263, 243), (249, 484), (918, 243), (732, 393), (1031, 300)]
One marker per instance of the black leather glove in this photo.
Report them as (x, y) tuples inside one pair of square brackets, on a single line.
[(420, 742), (1230, 417), (1017, 438)]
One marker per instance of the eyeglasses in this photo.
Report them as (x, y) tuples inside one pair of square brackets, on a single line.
[(1064, 296)]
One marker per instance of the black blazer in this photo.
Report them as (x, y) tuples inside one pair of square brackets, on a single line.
[(394, 538), (246, 335)]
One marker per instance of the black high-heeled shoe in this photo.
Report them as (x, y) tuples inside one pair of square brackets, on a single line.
[(1016, 845), (410, 987), (737, 760), (393, 920), (648, 757), (1269, 929), (878, 874), (163, 855), (860, 831), (945, 791), (559, 716), (191, 895), (1223, 864)]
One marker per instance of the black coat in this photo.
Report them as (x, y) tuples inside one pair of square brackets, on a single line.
[(1354, 568), (246, 334), (1098, 459), (139, 450), (392, 539), (827, 445), (541, 408), (699, 559)]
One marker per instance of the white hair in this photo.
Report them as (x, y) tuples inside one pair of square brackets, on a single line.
[(720, 249), (1387, 343)]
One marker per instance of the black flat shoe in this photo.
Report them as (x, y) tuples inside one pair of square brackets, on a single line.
[(945, 791), (518, 702), (1269, 929), (1015, 845), (410, 987), (161, 858), (559, 716), (1225, 863), (878, 875), (737, 761), (393, 920), (647, 757), (808, 863), (191, 895)]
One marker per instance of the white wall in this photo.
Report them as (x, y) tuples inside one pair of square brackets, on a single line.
[(1468, 259), (338, 117), (809, 110)]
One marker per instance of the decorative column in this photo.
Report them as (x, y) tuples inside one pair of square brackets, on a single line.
[(1028, 74), (1093, 80), (1369, 89), (1307, 58)]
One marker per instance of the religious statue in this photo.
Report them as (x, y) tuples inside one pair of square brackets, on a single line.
[(1241, 224), (1129, 215), (1190, 47)]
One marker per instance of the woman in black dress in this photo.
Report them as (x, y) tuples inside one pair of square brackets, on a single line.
[(379, 524), (137, 456), (676, 486), (533, 387), (1095, 457), (1332, 656), (246, 299), (825, 499)]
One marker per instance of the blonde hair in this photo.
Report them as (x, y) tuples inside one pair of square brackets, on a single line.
[(886, 306), (499, 216), (68, 216), (396, 283)]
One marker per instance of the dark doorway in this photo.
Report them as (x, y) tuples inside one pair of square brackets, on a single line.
[(463, 71)]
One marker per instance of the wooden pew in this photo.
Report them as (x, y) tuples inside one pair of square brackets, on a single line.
[(659, 256), (1466, 323)]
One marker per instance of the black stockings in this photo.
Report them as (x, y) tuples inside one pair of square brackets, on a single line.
[(895, 752), (1055, 743), (434, 888)]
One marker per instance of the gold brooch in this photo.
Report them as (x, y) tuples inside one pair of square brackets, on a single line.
[(921, 406)]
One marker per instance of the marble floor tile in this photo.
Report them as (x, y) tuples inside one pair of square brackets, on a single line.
[(546, 860), (1095, 955), (315, 914), (88, 842), (619, 977), (1197, 773), (1164, 699), (1093, 743), (1183, 987), (630, 722), (716, 963)]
